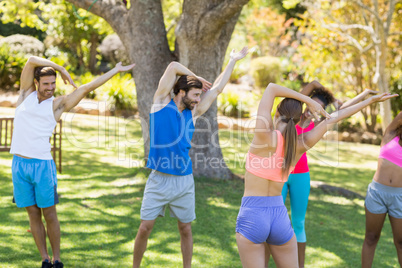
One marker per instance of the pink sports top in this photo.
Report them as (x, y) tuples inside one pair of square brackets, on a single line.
[(392, 151), (302, 165), (269, 168)]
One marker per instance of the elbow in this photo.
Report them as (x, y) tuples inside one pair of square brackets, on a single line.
[(31, 60), (271, 87), (172, 65)]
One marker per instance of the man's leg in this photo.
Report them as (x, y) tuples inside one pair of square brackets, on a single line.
[(38, 230), (186, 241), (53, 230), (141, 241)]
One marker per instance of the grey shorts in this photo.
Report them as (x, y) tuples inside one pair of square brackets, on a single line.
[(384, 199), (162, 190)]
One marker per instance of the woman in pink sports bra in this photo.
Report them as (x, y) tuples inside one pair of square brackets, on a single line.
[(274, 151), (384, 193)]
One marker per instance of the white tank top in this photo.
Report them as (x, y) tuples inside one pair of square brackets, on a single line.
[(33, 126)]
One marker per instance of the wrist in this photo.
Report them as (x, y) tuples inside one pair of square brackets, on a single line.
[(370, 100), (307, 100), (115, 70)]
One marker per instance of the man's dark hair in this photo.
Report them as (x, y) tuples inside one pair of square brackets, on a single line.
[(186, 82), (43, 71)]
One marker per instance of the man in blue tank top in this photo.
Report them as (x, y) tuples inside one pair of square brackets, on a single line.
[(33, 169), (172, 122)]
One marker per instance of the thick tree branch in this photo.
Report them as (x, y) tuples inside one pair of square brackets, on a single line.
[(344, 27), (354, 42), (360, 4), (389, 16), (220, 14), (113, 11)]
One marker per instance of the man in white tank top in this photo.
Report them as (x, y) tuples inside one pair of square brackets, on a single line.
[(33, 169)]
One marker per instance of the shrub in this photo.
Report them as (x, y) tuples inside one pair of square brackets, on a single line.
[(24, 44), (11, 65), (14, 52), (265, 70), (113, 50), (396, 103), (63, 89), (236, 104), (239, 71), (120, 91)]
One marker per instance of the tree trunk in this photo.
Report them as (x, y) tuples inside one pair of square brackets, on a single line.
[(94, 40), (202, 42), (203, 35), (385, 107)]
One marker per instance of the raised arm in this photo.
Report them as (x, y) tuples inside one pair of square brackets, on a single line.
[(66, 102), (390, 131), (168, 79), (308, 89), (358, 98), (309, 139), (27, 75), (315, 87), (210, 96), (264, 122)]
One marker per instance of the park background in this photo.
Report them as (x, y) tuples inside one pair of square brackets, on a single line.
[(346, 45)]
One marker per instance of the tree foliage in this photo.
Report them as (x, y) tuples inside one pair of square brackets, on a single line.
[(76, 32), (344, 45)]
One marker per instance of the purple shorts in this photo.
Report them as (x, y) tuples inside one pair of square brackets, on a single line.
[(264, 219)]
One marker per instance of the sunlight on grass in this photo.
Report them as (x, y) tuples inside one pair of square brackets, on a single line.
[(326, 259), (102, 186), (218, 202)]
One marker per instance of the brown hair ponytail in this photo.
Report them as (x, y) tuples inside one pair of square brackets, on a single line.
[(290, 136), (290, 111)]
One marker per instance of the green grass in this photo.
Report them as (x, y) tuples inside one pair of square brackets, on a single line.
[(101, 190)]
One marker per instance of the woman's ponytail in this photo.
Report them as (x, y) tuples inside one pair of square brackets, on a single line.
[(290, 144), (290, 111)]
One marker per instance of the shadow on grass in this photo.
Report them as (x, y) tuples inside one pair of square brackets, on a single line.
[(100, 215)]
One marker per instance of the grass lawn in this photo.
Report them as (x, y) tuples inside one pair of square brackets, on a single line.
[(101, 189)]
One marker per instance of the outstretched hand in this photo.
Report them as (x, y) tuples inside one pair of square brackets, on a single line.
[(239, 55), (383, 97), (370, 91), (122, 68), (67, 78), (316, 109), (205, 84)]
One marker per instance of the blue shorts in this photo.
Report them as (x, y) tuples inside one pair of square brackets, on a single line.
[(35, 182), (264, 219), (382, 199)]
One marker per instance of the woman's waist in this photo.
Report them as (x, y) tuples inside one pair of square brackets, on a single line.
[(257, 186), (388, 174)]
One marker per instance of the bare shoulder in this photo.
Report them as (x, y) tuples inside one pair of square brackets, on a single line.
[(59, 106), (388, 136), (159, 104), (24, 94), (58, 101), (264, 143)]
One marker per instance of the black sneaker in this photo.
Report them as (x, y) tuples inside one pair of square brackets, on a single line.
[(47, 264), (58, 264)]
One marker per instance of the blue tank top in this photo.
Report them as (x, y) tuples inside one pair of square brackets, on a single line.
[(170, 140)]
